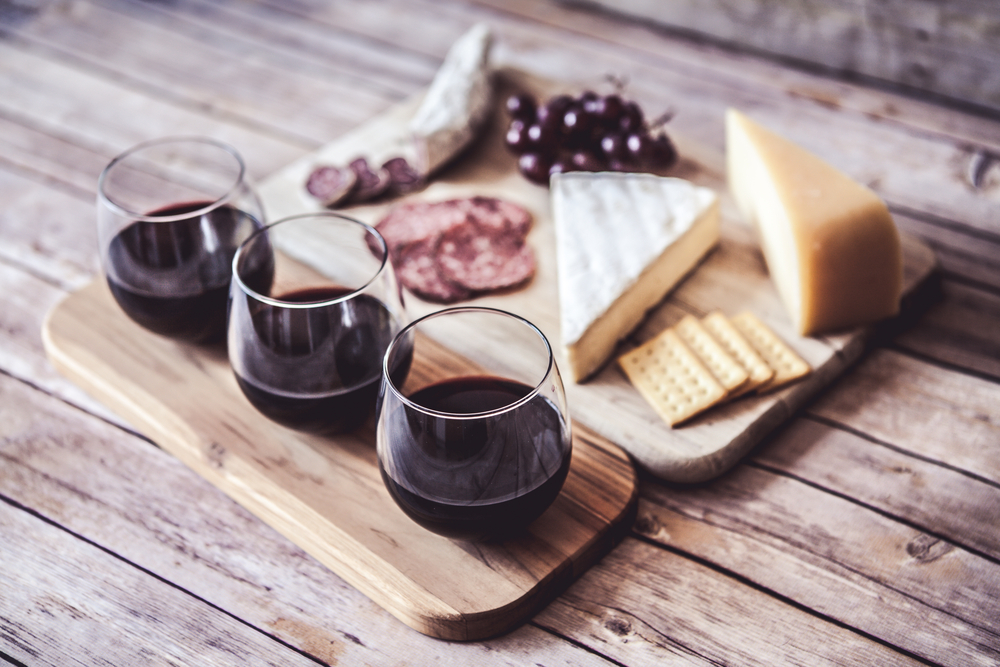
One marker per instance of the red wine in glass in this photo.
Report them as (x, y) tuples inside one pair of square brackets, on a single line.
[(173, 277), (473, 478), (330, 352)]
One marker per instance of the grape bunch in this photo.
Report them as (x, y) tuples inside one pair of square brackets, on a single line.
[(590, 132)]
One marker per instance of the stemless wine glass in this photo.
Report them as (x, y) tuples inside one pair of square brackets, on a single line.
[(170, 215), (314, 304), (474, 454)]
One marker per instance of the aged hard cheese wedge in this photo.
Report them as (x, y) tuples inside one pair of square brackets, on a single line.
[(830, 244), (622, 242)]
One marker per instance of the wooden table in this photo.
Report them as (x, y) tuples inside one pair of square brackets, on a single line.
[(866, 531)]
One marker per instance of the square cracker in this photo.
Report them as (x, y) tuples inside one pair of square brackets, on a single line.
[(730, 374), (738, 347), (787, 364), (671, 378)]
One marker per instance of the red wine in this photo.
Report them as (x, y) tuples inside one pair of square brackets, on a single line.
[(319, 369), (173, 277), (475, 478)]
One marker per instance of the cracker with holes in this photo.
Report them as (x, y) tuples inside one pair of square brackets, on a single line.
[(671, 378), (740, 349), (727, 371), (788, 366)]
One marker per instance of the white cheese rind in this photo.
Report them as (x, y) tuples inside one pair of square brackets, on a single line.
[(831, 245), (623, 241), (458, 101)]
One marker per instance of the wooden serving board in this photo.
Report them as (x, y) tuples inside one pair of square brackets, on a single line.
[(732, 279), (326, 494)]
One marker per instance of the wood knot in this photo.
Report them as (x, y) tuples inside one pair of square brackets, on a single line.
[(216, 455), (618, 626), (925, 548), (647, 524)]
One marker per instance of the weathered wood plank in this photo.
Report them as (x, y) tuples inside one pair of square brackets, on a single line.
[(66, 99), (960, 330), (962, 254), (72, 603), (937, 499), (946, 48), (885, 579), (700, 616), (153, 513), (783, 79), (249, 81), (26, 302), (922, 409)]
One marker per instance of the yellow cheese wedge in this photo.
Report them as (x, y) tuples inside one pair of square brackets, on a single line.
[(830, 244)]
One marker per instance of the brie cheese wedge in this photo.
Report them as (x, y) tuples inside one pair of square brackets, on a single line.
[(623, 241), (458, 102)]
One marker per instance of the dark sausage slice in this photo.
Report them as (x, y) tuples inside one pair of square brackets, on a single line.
[(370, 184), (404, 177), (330, 185)]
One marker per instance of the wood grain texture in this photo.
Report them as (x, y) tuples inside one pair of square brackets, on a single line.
[(831, 554), (922, 409), (903, 445), (328, 497), (732, 279), (128, 498), (702, 616), (118, 615)]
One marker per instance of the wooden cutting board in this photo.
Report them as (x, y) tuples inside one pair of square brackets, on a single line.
[(732, 279), (326, 494)]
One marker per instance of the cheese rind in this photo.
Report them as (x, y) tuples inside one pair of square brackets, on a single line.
[(458, 102), (623, 241), (830, 243)]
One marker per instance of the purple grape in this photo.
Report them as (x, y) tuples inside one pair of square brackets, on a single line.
[(613, 147), (535, 167), (661, 153), (637, 146), (631, 119), (516, 138), (521, 107), (585, 161)]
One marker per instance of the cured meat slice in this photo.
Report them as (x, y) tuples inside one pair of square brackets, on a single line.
[(416, 268), (330, 185), (404, 177), (412, 222), (370, 184), (483, 260), (497, 214), (451, 250)]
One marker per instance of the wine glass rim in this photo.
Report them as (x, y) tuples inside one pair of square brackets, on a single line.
[(137, 216), (303, 305), (387, 377)]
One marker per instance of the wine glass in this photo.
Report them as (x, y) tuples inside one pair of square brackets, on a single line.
[(474, 454), (170, 215), (314, 304)]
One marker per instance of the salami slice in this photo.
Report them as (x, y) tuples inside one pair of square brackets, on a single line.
[(417, 270), (451, 250), (370, 184), (483, 260), (330, 185), (413, 222), (497, 214), (404, 177)]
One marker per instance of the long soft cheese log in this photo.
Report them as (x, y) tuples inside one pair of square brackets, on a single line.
[(622, 242), (830, 244)]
